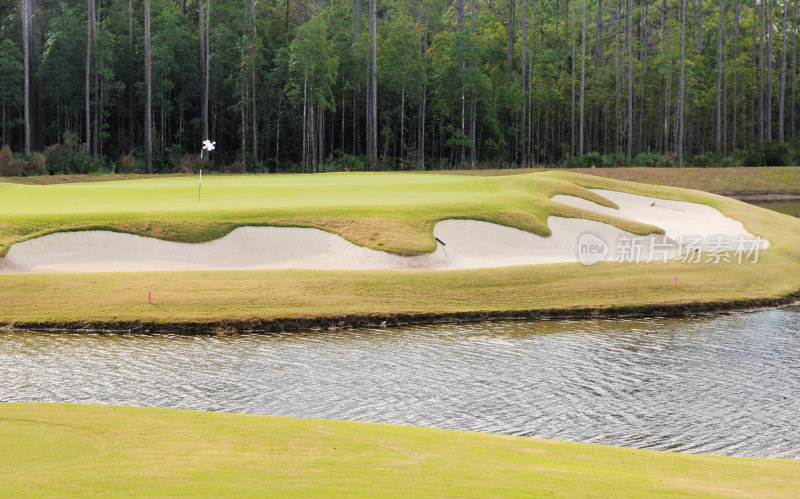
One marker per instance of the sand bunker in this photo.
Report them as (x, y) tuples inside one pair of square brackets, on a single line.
[(469, 244), (676, 218)]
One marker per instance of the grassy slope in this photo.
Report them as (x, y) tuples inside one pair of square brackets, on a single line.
[(57, 449), (252, 295), (727, 181)]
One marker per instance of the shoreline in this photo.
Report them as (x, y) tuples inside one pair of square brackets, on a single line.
[(358, 321)]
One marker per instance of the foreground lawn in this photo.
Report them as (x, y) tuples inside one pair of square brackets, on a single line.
[(251, 296), (62, 449)]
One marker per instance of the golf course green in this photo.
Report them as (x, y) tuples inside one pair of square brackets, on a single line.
[(393, 212)]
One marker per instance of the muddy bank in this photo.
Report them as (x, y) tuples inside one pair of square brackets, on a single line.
[(276, 325)]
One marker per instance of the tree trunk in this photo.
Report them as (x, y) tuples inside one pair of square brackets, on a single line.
[(207, 66), (424, 85), (356, 86), (130, 75), (630, 79), (643, 99), (699, 26), (373, 15), (794, 69), (89, 23), (583, 79), (599, 48), (782, 91), (368, 117), (148, 110), (679, 129), (510, 53), (203, 81), (98, 101), (665, 82), (253, 80), (460, 31), (305, 119), (26, 16), (718, 122), (524, 79), (617, 82), (735, 89), (472, 87), (768, 102), (510, 71), (761, 77)]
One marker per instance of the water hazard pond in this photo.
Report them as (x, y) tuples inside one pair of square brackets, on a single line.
[(726, 384)]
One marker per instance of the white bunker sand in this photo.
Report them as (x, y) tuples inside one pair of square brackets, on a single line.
[(469, 244)]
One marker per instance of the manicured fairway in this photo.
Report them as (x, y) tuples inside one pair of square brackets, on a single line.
[(60, 450)]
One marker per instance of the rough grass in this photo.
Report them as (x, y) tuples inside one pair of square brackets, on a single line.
[(63, 450), (731, 181), (251, 295)]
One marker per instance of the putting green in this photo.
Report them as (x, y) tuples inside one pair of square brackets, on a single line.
[(62, 449), (389, 211)]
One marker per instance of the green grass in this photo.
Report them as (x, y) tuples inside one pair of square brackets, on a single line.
[(208, 296), (396, 210), (64, 450), (731, 181)]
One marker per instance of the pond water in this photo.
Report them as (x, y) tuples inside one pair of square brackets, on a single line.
[(726, 384), (788, 207)]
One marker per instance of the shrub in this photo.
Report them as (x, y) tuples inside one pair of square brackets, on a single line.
[(651, 159), (775, 153), (593, 159), (346, 163), (611, 160), (772, 153), (6, 157), (37, 164), (129, 164), (15, 168), (189, 163), (575, 162), (235, 167), (708, 158)]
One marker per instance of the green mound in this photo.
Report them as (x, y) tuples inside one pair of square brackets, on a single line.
[(62, 449)]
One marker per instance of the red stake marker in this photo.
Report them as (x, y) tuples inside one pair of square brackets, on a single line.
[(148, 297), (674, 281)]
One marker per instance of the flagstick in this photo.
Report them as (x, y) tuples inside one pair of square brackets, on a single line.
[(200, 185)]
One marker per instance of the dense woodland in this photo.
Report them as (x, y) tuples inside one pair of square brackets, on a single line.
[(308, 85)]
